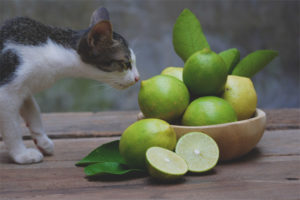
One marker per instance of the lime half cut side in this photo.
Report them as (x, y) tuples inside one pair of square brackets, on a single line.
[(164, 164), (199, 150)]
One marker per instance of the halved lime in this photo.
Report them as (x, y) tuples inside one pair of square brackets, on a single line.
[(164, 164), (199, 150)]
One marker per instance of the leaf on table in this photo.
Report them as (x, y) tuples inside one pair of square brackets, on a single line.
[(187, 35), (231, 57), (108, 152), (254, 62), (108, 168)]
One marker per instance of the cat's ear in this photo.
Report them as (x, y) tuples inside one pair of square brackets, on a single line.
[(99, 15), (101, 34)]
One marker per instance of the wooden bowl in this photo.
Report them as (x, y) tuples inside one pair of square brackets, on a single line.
[(234, 139)]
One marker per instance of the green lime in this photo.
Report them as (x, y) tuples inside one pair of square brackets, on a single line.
[(199, 150), (143, 134), (240, 93), (164, 164), (163, 97), (205, 73), (208, 110), (173, 71)]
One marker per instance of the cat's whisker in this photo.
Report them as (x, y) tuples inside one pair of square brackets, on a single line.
[(134, 42), (98, 86), (136, 52)]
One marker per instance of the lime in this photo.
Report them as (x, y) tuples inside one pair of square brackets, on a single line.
[(205, 73), (143, 134), (164, 164), (173, 71), (163, 97), (199, 150), (240, 93), (207, 111)]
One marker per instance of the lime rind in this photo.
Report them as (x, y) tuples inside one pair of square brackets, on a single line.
[(175, 72), (164, 164), (199, 150)]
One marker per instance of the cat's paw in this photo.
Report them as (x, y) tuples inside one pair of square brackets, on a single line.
[(28, 156), (44, 144)]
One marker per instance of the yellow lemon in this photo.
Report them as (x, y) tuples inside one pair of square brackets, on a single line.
[(173, 71), (241, 94)]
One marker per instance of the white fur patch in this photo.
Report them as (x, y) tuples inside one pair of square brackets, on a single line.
[(42, 65)]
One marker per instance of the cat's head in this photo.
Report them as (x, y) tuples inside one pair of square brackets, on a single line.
[(108, 52)]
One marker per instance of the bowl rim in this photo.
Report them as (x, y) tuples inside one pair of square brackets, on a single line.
[(258, 114)]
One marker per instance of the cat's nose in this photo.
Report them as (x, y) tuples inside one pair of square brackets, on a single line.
[(137, 78)]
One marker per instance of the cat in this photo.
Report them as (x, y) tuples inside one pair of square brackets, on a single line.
[(33, 56)]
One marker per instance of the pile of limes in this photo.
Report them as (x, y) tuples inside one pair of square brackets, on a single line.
[(210, 89), (216, 97), (149, 143), (190, 96)]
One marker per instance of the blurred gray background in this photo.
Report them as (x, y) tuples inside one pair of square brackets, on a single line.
[(147, 25)]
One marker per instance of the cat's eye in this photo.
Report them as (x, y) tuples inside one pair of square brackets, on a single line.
[(126, 65)]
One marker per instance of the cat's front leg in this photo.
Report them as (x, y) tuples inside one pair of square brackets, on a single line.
[(11, 130), (31, 114)]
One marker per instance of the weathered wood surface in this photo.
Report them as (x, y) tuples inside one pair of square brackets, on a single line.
[(283, 119), (83, 125), (106, 124), (270, 171)]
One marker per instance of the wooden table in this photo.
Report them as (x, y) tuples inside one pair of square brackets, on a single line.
[(270, 171)]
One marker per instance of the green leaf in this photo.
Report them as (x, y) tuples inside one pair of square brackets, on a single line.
[(254, 62), (108, 152), (231, 57), (108, 168), (187, 35)]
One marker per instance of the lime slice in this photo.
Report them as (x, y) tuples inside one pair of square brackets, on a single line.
[(199, 150), (164, 164)]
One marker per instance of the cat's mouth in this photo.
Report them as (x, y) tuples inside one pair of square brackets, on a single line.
[(121, 86)]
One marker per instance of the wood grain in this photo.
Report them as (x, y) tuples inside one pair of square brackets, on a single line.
[(270, 171), (85, 125), (108, 124), (283, 119)]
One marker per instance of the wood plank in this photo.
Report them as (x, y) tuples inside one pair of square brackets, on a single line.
[(79, 125), (283, 119), (270, 171), (113, 123)]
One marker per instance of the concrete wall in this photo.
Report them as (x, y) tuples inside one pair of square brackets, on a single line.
[(247, 25)]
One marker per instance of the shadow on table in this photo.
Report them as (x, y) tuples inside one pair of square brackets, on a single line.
[(4, 158), (153, 181), (208, 173), (134, 176), (115, 178)]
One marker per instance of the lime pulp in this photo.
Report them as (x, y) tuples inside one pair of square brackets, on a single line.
[(164, 164), (199, 150)]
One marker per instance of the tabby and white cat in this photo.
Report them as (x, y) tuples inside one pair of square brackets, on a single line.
[(33, 56)]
